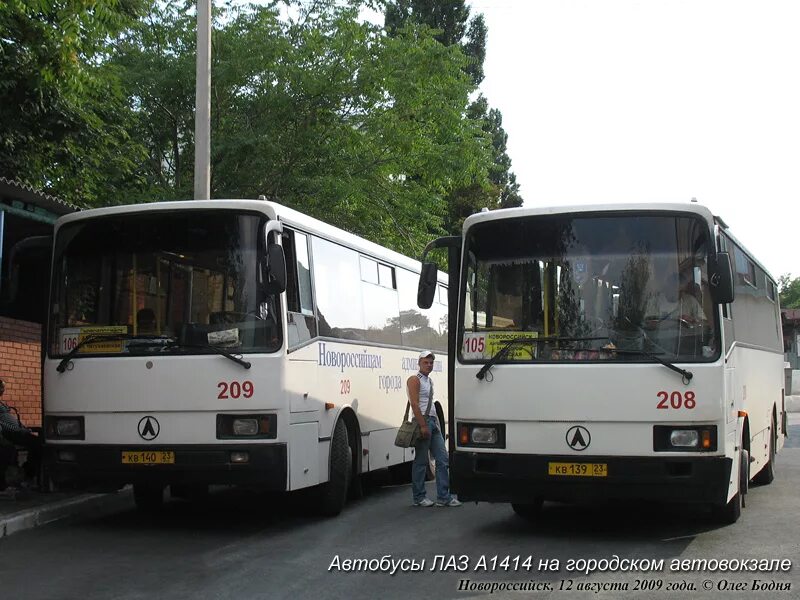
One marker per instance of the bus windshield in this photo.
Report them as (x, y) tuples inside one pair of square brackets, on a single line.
[(189, 278), (589, 288)]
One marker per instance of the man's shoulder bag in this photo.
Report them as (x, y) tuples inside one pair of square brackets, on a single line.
[(409, 434)]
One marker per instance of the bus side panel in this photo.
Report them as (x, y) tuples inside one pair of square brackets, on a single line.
[(757, 391), (328, 376), (303, 456)]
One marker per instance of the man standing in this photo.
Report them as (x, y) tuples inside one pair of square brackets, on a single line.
[(420, 395)]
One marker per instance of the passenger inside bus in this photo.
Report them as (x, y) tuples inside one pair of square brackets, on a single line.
[(675, 300), (145, 321)]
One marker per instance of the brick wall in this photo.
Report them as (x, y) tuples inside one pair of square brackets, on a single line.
[(20, 368)]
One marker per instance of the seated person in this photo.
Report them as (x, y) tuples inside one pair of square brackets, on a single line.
[(11, 430), (675, 300)]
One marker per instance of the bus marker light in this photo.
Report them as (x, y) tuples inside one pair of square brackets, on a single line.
[(684, 438), (329, 406), (742, 413), (463, 435), (240, 457), (706, 441)]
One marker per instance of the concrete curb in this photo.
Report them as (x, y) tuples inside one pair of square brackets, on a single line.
[(62, 509)]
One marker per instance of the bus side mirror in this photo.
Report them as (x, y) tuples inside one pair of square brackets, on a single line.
[(720, 278), (275, 276), (427, 285)]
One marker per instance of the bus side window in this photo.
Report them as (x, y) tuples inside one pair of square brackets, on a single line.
[(302, 325)]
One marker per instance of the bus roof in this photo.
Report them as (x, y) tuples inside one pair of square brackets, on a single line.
[(685, 207), (508, 213), (272, 210)]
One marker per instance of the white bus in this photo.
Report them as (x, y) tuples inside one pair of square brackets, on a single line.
[(228, 342), (598, 352)]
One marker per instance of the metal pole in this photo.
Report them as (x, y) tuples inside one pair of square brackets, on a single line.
[(202, 116)]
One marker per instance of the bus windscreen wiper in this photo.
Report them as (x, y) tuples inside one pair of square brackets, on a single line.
[(142, 341), (148, 340), (687, 375), (502, 353), (237, 358)]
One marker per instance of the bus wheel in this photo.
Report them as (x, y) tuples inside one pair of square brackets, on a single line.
[(333, 494), (148, 497), (729, 513), (767, 474), (530, 511)]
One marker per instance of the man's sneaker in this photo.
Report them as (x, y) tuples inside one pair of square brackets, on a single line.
[(452, 502), (424, 502)]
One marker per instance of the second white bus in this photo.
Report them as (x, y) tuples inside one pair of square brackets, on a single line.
[(628, 351)]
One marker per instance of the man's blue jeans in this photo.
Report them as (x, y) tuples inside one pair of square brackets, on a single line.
[(435, 444)]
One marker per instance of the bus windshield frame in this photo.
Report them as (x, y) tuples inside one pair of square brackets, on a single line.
[(587, 288), (162, 281)]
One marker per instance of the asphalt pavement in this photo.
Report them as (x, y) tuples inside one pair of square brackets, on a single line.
[(24, 509)]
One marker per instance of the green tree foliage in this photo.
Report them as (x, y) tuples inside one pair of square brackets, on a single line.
[(318, 111), (64, 118), (502, 189), (156, 61), (450, 20), (451, 23), (789, 291)]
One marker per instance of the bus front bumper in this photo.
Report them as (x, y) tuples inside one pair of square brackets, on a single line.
[(101, 465), (522, 478)]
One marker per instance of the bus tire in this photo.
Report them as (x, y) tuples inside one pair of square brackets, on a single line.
[(530, 511), (333, 493), (767, 474), (148, 497)]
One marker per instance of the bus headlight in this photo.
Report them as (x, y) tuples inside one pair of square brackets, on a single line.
[(64, 428), (482, 435), (245, 426), (684, 438), (680, 438)]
